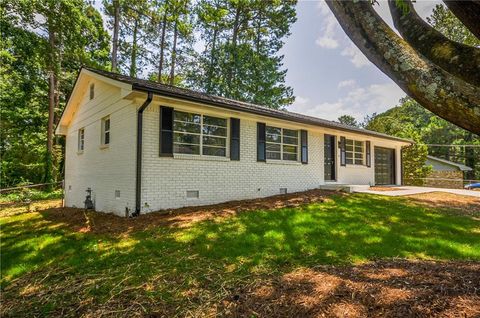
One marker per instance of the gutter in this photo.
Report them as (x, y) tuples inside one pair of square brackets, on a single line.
[(138, 179)]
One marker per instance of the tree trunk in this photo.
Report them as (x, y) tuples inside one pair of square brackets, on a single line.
[(133, 57), (116, 26), (468, 12), (212, 59), (233, 64), (162, 44), (456, 58), (51, 102), (443, 94), (174, 53)]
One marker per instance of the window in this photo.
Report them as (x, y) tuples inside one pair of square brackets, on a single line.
[(199, 134), (81, 139), (282, 143), (355, 152), (106, 131), (92, 91)]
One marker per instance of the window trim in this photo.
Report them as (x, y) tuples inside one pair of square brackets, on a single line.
[(201, 135), (81, 140), (104, 131), (282, 144), (354, 152)]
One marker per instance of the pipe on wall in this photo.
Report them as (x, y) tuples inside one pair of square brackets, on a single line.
[(138, 178)]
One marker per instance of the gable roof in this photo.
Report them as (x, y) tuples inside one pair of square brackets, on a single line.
[(450, 163), (194, 96)]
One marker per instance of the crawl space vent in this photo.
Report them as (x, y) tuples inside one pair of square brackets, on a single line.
[(193, 194), (283, 190)]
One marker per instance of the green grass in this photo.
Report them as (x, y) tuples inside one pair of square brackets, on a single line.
[(166, 262), (31, 194)]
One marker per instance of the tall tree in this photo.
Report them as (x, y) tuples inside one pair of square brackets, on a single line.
[(62, 48), (415, 67), (241, 57)]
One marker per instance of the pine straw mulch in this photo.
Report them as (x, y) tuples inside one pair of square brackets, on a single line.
[(386, 288), (396, 288), (105, 223), (455, 203)]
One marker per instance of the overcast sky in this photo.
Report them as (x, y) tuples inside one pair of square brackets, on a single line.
[(329, 75)]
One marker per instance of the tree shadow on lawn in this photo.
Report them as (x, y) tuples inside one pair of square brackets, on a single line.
[(170, 268)]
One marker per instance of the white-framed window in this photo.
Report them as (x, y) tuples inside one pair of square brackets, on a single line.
[(106, 137), (81, 139), (92, 91), (354, 152), (282, 143), (198, 134)]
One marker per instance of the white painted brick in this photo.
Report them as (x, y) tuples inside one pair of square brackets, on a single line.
[(166, 180)]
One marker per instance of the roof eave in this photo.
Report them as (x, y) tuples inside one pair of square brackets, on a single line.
[(142, 88)]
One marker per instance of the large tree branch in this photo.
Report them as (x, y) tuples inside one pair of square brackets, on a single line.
[(445, 95), (456, 58), (468, 12)]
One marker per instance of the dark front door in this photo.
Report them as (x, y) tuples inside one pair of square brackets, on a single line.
[(384, 166), (329, 157)]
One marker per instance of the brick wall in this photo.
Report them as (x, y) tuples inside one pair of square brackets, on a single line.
[(166, 180), (445, 179), (104, 170)]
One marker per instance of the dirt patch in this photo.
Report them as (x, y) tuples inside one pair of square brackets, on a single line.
[(397, 288), (460, 204), (378, 188), (104, 223)]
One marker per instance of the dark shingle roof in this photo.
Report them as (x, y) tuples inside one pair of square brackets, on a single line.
[(194, 96)]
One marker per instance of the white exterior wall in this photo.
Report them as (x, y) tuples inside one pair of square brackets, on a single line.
[(103, 169), (358, 175), (166, 180)]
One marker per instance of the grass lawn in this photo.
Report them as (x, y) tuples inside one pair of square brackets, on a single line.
[(52, 267)]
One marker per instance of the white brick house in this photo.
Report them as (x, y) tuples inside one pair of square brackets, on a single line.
[(142, 146)]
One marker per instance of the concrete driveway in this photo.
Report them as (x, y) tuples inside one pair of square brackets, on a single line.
[(408, 190)]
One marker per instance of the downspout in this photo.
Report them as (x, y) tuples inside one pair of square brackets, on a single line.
[(138, 185)]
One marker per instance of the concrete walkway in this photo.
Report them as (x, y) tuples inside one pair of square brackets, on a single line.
[(407, 190)]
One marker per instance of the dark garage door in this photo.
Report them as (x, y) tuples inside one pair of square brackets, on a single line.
[(384, 166)]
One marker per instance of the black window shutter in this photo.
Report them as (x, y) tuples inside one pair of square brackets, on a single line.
[(368, 153), (234, 139), (166, 131), (261, 147), (343, 155), (304, 144)]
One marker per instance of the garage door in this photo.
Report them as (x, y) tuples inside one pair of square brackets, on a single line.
[(384, 166)]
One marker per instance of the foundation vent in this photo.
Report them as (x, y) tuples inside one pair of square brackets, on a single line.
[(193, 194), (283, 190)]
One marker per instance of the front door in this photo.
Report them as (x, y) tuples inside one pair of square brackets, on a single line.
[(329, 158), (384, 166)]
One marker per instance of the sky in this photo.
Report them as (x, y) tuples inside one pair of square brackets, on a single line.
[(329, 75)]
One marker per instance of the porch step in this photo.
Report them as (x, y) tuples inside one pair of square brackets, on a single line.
[(349, 188)]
